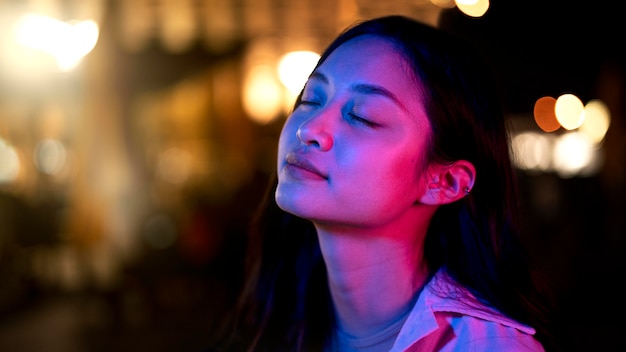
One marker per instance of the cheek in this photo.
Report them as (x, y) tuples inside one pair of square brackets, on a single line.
[(287, 128), (287, 133), (403, 176)]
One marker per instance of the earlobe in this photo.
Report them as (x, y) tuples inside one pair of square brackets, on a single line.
[(449, 183)]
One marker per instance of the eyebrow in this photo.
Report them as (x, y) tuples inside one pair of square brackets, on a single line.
[(364, 88)]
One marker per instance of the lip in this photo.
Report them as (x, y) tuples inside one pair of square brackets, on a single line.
[(301, 168)]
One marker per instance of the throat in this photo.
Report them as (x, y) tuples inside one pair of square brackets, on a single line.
[(380, 340), (364, 310)]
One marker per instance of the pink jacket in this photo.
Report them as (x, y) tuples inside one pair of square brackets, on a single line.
[(459, 322)]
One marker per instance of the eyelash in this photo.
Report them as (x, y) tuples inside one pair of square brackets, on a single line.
[(308, 102), (359, 119), (354, 117)]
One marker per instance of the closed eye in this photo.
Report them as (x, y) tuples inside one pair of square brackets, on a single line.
[(309, 102), (363, 121)]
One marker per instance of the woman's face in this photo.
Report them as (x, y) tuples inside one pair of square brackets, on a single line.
[(353, 152)]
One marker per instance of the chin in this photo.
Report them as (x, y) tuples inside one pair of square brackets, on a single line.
[(286, 201), (297, 207)]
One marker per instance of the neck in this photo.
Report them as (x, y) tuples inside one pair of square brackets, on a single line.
[(374, 274)]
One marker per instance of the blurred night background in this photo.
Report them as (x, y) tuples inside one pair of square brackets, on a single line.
[(136, 138)]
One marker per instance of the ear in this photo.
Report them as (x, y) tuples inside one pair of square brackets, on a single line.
[(448, 183)]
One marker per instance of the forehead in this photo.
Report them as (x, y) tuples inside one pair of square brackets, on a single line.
[(372, 59)]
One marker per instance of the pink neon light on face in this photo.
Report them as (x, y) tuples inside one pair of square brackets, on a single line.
[(352, 152)]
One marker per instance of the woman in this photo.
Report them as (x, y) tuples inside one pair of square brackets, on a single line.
[(392, 225)]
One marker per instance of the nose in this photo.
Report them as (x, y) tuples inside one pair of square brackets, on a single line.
[(313, 133)]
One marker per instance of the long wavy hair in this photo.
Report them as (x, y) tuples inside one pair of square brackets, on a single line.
[(286, 304)]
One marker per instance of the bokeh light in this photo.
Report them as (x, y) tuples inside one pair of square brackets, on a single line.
[(9, 162), (596, 120), (49, 156), (294, 69), (262, 95), (67, 42), (545, 115), (473, 8), (531, 151), (572, 153), (569, 111)]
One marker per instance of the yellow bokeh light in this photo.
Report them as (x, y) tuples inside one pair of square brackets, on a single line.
[(572, 153), (262, 96), (569, 111), (473, 8), (294, 69), (596, 120), (67, 42)]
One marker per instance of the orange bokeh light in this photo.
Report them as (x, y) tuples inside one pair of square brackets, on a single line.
[(544, 113)]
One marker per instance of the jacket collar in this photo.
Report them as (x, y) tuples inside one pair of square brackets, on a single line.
[(444, 294)]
